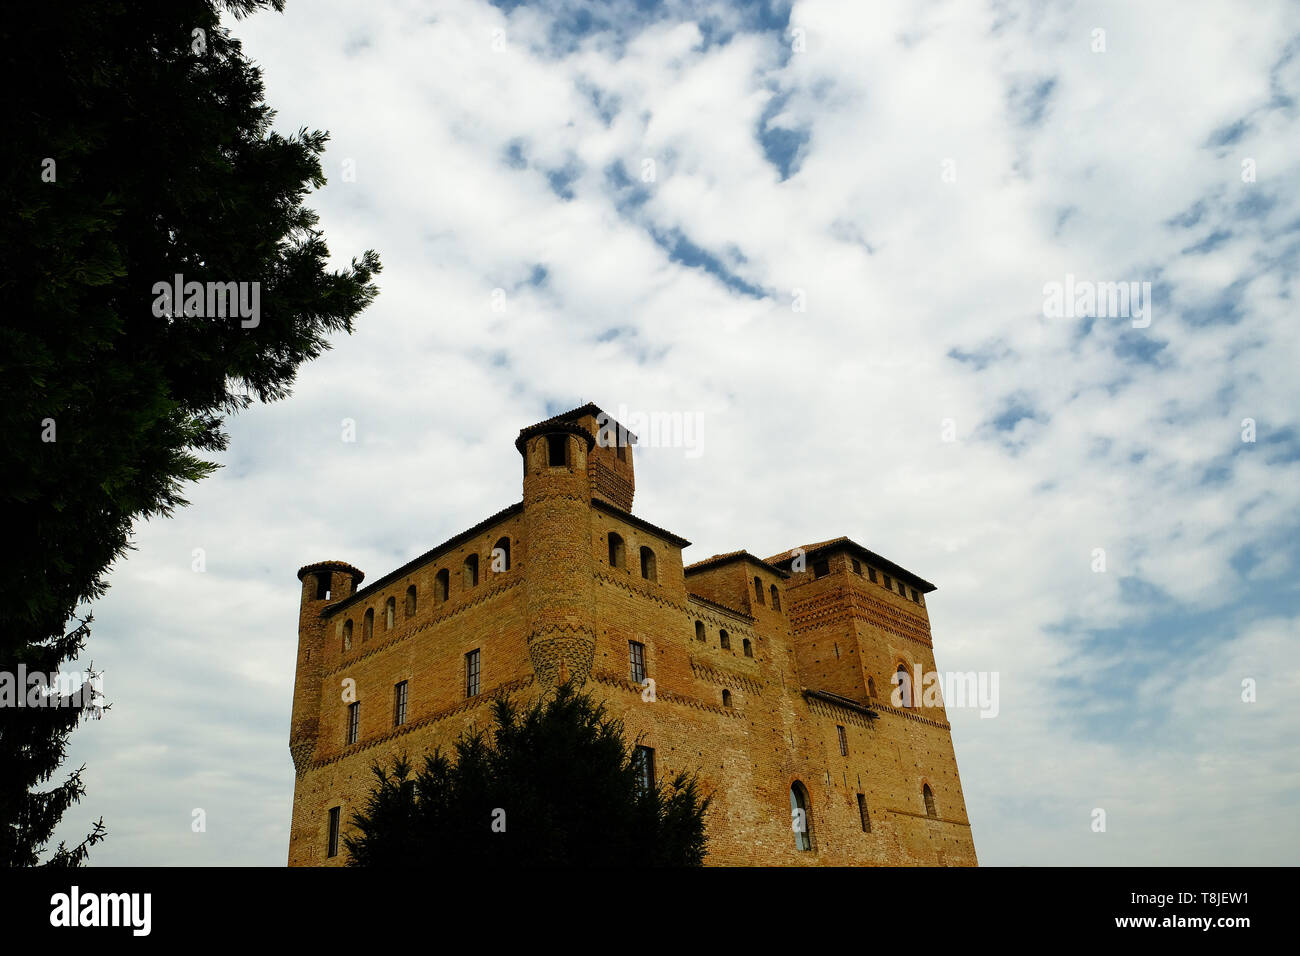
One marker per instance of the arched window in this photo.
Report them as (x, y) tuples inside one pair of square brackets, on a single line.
[(776, 599), (699, 630), (471, 571), (390, 613), (758, 590), (800, 818), (347, 635), (726, 698), (615, 550), (647, 564), (724, 640), (368, 625), (441, 585), (928, 796), (410, 601), (557, 450), (501, 555), (748, 647), (904, 686), (871, 687)]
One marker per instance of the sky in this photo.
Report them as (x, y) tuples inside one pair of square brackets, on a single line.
[(828, 234)]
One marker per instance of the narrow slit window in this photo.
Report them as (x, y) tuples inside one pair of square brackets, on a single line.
[(354, 721), (399, 704), (800, 819), (332, 848), (643, 758), (862, 813), (636, 661), (471, 673)]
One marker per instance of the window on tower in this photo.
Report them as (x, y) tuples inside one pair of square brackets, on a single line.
[(471, 673), (354, 721), (557, 450), (336, 814), (636, 660), (800, 818)]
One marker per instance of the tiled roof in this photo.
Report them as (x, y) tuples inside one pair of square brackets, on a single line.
[(742, 555), (601, 505), (573, 414), (414, 563), (876, 560)]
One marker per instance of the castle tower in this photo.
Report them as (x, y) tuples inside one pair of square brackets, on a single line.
[(323, 583), (559, 574)]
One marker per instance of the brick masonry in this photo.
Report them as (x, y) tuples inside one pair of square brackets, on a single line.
[(816, 657)]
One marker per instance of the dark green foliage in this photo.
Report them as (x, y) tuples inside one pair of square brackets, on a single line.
[(567, 782), (164, 162)]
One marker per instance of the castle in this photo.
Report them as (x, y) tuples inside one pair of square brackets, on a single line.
[(774, 678)]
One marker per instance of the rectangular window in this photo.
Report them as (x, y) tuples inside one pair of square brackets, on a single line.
[(844, 740), (915, 597), (821, 569), (857, 566), (333, 849), (399, 704), (901, 589), (471, 673), (862, 813), (354, 721), (889, 585), (636, 657), (871, 573), (644, 758)]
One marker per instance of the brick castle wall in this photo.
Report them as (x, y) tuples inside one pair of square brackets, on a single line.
[(562, 609)]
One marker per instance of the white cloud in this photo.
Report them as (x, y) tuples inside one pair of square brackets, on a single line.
[(818, 423)]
